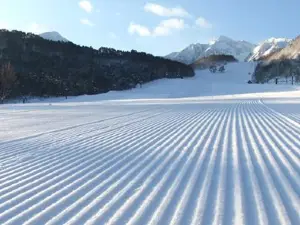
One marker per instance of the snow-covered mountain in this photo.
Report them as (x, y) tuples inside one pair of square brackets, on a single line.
[(268, 47), (222, 45), (190, 54), (53, 36)]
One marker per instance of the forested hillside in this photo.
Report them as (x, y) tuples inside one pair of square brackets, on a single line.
[(49, 68), (206, 62)]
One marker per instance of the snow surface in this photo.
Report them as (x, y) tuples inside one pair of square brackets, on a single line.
[(222, 45), (204, 150)]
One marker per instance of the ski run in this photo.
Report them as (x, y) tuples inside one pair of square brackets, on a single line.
[(203, 150)]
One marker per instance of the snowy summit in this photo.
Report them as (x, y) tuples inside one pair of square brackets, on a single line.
[(53, 36)]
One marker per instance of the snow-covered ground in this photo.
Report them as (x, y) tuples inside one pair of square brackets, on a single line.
[(204, 150)]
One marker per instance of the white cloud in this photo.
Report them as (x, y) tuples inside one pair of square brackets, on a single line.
[(86, 5), (87, 22), (139, 30), (37, 28), (167, 12), (112, 35), (201, 22), (166, 27)]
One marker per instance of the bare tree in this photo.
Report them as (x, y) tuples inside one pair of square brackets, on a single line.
[(7, 80)]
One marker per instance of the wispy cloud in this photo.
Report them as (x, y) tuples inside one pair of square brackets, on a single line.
[(37, 28), (139, 30), (203, 23), (86, 5), (164, 11), (166, 27), (87, 22)]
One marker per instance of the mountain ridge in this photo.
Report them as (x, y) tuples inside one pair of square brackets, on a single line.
[(221, 45), (268, 47)]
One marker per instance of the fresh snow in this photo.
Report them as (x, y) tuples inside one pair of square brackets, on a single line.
[(204, 150)]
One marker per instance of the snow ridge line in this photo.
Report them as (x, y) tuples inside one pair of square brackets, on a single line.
[(80, 158), (279, 114), (277, 213), (274, 162), (90, 195), (8, 147), (71, 127), (169, 159), (232, 162), (31, 170), (77, 142), (157, 217), (203, 189), (257, 215)]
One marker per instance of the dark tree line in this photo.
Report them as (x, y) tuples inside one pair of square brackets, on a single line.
[(279, 68), (48, 68)]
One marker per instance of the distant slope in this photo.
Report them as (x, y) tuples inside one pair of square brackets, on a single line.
[(205, 62), (204, 83), (53, 36), (285, 62), (268, 47), (223, 45)]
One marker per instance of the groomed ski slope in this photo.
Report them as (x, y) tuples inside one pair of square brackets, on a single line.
[(171, 152)]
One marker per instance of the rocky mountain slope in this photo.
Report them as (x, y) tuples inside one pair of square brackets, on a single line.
[(222, 45), (268, 47), (285, 62)]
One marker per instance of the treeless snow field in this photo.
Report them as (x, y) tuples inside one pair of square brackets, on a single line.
[(228, 158)]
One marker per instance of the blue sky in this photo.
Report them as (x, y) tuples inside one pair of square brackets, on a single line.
[(158, 27)]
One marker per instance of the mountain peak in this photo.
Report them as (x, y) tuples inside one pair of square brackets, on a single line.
[(224, 38), (221, 38), (51, 32), (53, 36)]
